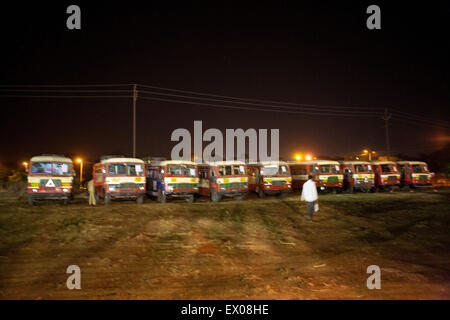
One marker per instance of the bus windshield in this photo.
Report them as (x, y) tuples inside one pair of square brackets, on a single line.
[(181, 170), (272, 170), (419, 168), (135, 170), (386, 168), (117, 168), (190, 171), (52, 168), (329, 168), (231, 170), (363, 168)]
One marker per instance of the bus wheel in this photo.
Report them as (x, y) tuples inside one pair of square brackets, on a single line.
[(140, 200), (215, 197), (107, 199), (240, 198), (261, 193), (66, 201), (333, 191), (31, 201), (190, 198), (161, 196)]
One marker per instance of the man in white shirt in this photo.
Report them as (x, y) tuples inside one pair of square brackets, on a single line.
[(309, 194)]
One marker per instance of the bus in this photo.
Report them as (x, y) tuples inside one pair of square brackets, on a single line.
[(118, 177), (171, 179), (50, 177), (223, 179), (414, 174), (358, 175), (326, 173), (387, 176), (269, 178)]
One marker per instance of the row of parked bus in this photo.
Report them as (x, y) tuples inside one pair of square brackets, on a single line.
[(51, 177)]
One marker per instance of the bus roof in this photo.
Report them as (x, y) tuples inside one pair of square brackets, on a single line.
[(319, 162), (411, 162), (269, 163), (164, 162), (122, 159), (354, 162), (224, 163), (383, 162), (50, 158)]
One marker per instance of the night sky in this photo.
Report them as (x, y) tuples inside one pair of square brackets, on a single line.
[(317, 53)]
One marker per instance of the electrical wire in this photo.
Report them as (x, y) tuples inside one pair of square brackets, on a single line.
[(253, 109), (259, 105), (254, 100)]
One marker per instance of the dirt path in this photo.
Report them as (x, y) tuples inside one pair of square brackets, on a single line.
[(253, 249)]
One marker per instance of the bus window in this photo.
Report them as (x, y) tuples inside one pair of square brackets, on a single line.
[(190, 171), (135, 170), (174, 169), (41, 167), (283, 170), (116, 168)]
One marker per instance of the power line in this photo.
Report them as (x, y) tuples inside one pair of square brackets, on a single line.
[(420, 124), (256, 104), (62, 90), (253, 109), (299, 108), (420, 117), (254, 100), (62, 85), (417, 119), (70, 97)]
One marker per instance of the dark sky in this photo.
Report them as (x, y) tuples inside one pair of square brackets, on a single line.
[(316, 52)]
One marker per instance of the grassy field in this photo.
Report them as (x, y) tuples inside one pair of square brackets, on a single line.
[(253, 249)]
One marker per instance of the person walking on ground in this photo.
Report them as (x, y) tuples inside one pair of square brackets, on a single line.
[(91, 191), (309, 194)]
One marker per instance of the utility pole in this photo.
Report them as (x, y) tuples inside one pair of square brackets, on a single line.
[(386, 118), (134, 120)]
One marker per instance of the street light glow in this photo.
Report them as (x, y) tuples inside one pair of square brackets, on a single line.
[(308, 157)]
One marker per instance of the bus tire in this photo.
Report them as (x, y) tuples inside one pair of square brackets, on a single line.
[(190, 199), (66, 201), (31, 201), (215, 197), (240, 198), (161, 196), (107, 199), (261, 193), (140, 200)]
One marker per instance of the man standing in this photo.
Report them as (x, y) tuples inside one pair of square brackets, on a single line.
[(309, 194), (91, 191)]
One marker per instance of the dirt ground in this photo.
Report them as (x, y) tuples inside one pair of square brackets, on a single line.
[(252, 249)]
